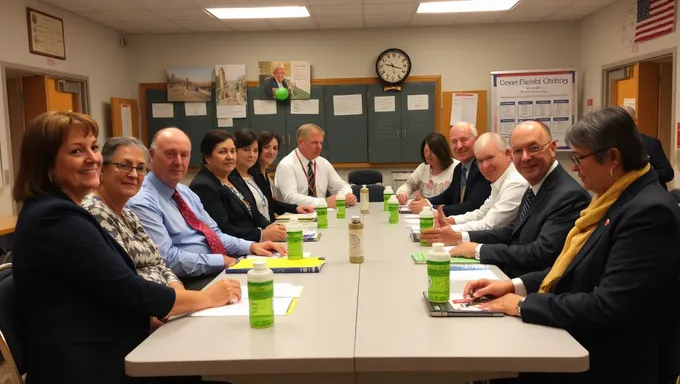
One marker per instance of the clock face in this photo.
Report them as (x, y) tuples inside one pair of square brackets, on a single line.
[(393, 66)]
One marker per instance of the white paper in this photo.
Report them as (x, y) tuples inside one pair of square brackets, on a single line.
[(281, 305), (629, 102), (304, 107), (561, 108), (264, 107), (411, 216), (346, 105), (195, 109), (231, 111), (384, 104), (126, 120), (507, 125), (507, 110), (464, 108), (412, 221), (162, 110), (472, 274), (526, 109), (224, 123), (418, 102), (543, 108), (561, 125)]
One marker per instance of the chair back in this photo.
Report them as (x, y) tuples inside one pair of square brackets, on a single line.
[(365, 176), (10, 347)]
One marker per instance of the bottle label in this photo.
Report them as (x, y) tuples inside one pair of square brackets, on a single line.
[(261, 302), (322, 217), (425, 223), (355, 243), (294, 245), (438, 283), (385, 198), (394, 213), (341, 209)]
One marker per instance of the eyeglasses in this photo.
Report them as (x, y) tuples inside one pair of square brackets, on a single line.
[(463, 141), (577, 159), (531, 150), (127, 168)]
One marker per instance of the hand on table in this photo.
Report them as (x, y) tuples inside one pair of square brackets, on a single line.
[(330, 201), (274, 232), (493, 288), (350, 199), (467, 249), (229, 261), (223, 292), (444, 235), (267, 248), (417, 204), (304, 209), (506, 303), (403, 198)]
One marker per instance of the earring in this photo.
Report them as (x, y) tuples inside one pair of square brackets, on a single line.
[(611, 172)]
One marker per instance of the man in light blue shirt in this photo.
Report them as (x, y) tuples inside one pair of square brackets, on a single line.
[(185, 250)]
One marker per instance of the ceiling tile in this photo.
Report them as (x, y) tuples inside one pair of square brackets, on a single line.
[(532, 14), (420, 19), (591, 3), (166, 4), (246, 3), (202, 26), (184, 14), (342, 22), (387, 20), (117, 5), (123, 27), (293, 24), (389, 1), (97, 16), (571, 13), (381, 9), (249, 25), (527, 4), (478, 18), (141, 14), (71, 6), (329, 10), (332, 2)]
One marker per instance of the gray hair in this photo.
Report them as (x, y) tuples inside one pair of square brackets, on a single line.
[(490, 137), (113, 143), (470, 126)]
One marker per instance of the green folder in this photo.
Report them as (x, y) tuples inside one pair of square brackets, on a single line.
[(421, 258)]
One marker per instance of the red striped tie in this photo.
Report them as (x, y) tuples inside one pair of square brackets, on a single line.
[(194, 222)]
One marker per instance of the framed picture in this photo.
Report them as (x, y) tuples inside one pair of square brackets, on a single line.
[(45, 34)]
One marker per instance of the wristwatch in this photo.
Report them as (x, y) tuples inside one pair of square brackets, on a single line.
[(519, 306)]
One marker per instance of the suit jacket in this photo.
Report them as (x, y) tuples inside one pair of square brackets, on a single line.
[(81, 305), (658, 159), (276, 207), (229, 212), (477, 190), (615, 295), (534, 243), (271, 83)]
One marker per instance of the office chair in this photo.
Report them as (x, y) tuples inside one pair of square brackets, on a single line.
[(365, 176), (10, 366), (375, 192)]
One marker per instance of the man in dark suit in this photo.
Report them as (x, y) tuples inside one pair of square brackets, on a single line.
[(657, 157), (275, 81), (469, 188), (547, 212)]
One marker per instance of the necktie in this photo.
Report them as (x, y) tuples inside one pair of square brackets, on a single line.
[(463, 182), (311, 180), (194, 222), (526, 203)]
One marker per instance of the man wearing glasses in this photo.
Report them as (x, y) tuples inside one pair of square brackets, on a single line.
[(548, 210), (468, 189)]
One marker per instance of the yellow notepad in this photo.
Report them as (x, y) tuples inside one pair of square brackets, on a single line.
[(281, 265)]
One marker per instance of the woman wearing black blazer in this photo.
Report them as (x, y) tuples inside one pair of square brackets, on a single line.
[(224, 194), (268, 143), (81, 308), (614, 285)]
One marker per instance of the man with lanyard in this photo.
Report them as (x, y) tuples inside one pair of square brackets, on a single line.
[(305, 178)]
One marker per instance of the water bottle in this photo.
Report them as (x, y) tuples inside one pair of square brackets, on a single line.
[(340, 206), (438, 274), (393, 207), (322, 214), (356, 240), (386, 196), (294, 236), (365, 207), (426, 221), (261, 295)]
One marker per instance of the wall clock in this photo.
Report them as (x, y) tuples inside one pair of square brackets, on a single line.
[(393, 67)]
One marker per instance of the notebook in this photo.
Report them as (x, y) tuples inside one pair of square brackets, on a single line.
[(421, 258), (281, 265), (310, 235), (300, 216), (457, 307)]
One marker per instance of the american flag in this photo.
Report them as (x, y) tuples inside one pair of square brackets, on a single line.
[(654, 18)]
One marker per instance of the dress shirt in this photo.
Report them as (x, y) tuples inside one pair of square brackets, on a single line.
[(184, 249), (291, 180), (500, 208)]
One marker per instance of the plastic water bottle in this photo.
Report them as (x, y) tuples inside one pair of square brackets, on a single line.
[(340, 206), (393, 207), (386, 195), (365, 207), (438, 274), (261, 295), (322, 214), (426, 221), (294, 239), (356, 240)]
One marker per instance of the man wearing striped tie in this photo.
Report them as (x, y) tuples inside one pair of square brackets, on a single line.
[(548, 210), (305, 178)]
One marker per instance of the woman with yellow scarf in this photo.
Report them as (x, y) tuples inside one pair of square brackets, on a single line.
[(613, 286)]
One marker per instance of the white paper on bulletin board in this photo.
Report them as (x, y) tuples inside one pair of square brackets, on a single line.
[(548, 96), (126, 119), (464, 108)]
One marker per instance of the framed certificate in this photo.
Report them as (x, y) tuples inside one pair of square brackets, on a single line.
[(45, 34)]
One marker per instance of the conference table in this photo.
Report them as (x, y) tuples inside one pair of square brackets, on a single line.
[(357, 323)]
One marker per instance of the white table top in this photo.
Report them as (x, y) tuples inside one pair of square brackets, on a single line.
[(392, 330)]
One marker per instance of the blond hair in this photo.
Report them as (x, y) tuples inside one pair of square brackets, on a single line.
[(304, 130)]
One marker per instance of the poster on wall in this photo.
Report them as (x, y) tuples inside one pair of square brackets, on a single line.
[(548, 96), (295, 76), (189, 84), (231, 91)]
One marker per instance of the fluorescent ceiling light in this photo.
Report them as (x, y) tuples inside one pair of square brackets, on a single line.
[(259, 12), (466, 6)]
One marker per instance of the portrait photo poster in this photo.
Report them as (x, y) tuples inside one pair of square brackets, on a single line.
[(294, 75)]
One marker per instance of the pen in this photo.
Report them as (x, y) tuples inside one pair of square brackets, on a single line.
[(478, 300)]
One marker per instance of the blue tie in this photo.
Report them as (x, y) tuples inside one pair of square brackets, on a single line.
[(463, 182), (526, 203)]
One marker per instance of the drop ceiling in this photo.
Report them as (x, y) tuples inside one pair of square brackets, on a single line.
[(187, 16)]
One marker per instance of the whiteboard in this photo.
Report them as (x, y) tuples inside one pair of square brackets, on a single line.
[(548, 96)]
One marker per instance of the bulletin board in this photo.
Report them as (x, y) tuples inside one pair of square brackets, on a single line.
[(482, 116), (548, 96)]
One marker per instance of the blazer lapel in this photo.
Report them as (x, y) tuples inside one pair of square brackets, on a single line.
[(224, 189)]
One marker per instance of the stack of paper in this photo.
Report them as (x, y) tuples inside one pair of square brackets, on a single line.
[(472, 274), (285, 294), (300, 216)]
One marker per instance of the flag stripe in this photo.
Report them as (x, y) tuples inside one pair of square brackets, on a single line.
[(654, 18), (642, 28), (657, 34)]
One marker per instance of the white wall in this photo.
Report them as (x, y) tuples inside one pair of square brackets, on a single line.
[(91, 51), (606, 38)]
